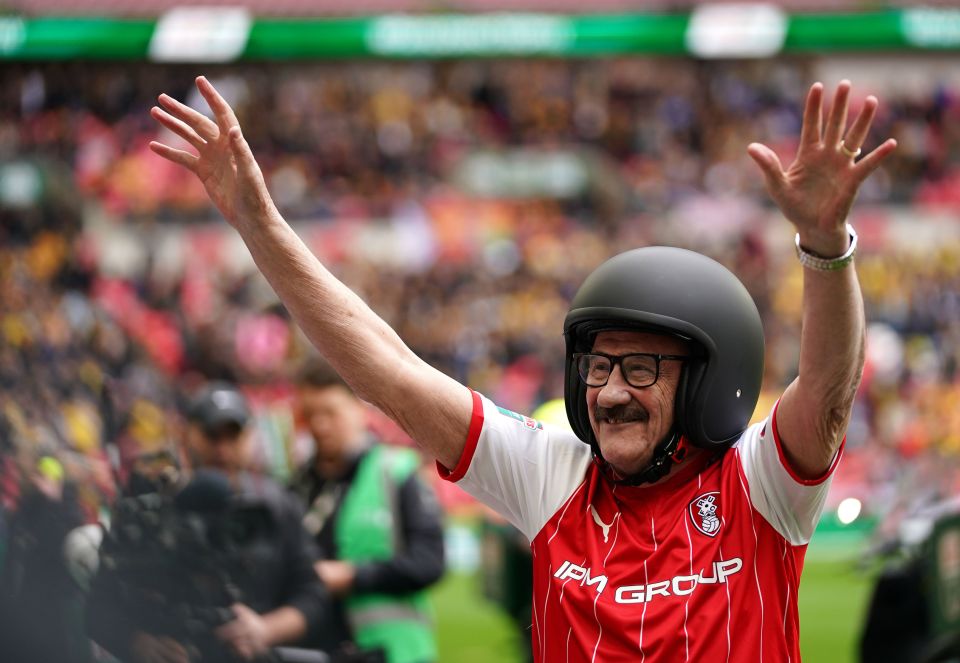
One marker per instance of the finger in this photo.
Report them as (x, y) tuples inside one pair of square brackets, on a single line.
[(170, 651), (245, 651), (865, 167), (179, 157), (857, 135), (202, 124), (229, 631), (812, 116), (176, 656), (769, 164), (837, 118), (221, 109), (177, 127), (237, 644), (242, 152), (171, 645)]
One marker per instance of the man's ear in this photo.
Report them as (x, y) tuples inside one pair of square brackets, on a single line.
[(296, 409), (189, 445)]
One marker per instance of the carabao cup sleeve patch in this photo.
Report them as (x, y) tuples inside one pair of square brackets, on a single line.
[(530, 423)]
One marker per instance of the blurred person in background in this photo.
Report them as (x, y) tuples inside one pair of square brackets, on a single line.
[(377, 525), (40, 604), (260, 555), (664, 363)]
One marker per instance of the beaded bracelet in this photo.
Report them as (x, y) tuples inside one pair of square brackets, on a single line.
[(821, 264)]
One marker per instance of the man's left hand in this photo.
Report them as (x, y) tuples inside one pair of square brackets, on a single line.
[(338, 576), (816, 192), (247, 635)]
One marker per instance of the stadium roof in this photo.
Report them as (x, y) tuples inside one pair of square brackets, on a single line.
[(145, 8)]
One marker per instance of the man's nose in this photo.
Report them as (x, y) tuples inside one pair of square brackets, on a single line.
[(615, 392)]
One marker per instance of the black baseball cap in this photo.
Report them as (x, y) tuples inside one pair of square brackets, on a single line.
[(217, 406)]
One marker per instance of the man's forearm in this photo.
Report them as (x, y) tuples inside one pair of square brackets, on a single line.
[(832, 338), (420, 562), (355, 340), (819, 401), (285, 625), (404, 573), (430, 407)]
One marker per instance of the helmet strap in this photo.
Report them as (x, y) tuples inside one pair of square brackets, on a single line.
[(671, 451)]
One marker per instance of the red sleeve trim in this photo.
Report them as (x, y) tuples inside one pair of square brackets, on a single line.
[(473, 436), (786, 463)]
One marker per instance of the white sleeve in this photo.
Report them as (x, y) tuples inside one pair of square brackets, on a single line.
[(789, 503), (518, 467)]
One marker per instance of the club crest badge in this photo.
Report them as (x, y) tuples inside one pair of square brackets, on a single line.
[(705, 513)]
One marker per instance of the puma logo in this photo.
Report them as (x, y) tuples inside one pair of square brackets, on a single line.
[(603, 526)]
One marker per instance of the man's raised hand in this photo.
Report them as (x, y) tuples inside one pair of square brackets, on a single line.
[(815, 193), (223, 163)]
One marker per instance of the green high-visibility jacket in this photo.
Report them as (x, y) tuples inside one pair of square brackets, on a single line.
[(368, 529)]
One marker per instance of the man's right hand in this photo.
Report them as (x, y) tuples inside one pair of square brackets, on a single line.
[(337, 575), (223, 163), (148, 648)]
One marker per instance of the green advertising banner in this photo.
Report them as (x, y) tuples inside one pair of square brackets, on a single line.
[(74, 38), (194, 34)]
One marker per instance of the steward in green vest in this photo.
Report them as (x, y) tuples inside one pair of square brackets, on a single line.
[(377, 526), (366, 531)]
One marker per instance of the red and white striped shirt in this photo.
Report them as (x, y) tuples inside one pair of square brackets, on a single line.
[(703, 566)]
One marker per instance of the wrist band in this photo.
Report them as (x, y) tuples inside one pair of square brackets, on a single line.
[(821, 264)]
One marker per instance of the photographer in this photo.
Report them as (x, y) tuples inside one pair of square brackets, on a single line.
[(216, 568)]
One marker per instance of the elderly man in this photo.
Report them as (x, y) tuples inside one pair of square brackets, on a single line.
[(675, 532)]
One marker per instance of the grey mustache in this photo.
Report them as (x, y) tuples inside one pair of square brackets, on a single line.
[(621, 413)]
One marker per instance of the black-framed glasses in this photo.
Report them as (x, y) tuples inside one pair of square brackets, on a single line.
[(639, 369)]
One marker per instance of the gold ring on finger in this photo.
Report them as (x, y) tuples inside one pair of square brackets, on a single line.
[(853, 154)]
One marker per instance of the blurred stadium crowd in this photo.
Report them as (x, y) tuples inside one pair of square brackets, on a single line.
[(465, 201)]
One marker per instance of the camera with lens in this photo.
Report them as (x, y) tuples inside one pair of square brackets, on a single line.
[(175, 556), (914, 613)]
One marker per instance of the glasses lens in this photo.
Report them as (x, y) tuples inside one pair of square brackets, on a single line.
[(594, 370), (639, 370)]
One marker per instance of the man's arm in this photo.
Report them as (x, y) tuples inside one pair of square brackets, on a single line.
[(303, 597), (251, 635), (815, 194), (431, 407), (420, 563)]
